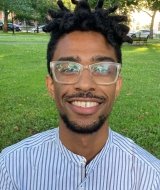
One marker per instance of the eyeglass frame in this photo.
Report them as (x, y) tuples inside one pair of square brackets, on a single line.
[(88, 67)]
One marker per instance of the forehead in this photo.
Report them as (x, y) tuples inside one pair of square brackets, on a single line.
[(84, 45)]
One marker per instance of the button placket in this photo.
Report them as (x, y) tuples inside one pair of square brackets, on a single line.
[(83, 173), (83, 166)]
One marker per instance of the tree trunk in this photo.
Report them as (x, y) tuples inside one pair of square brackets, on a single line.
[(152, 24), (5, 27), (13, 25)]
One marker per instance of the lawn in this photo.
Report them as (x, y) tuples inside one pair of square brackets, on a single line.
[(26, 108)]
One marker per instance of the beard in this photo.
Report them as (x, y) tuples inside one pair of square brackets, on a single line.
[(83, 128)]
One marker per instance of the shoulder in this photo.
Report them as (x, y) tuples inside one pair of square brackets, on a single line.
[(31, 143), (140, 156), (26, 157)]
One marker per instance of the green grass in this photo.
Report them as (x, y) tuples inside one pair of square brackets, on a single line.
[(26, 108), (137, 112)]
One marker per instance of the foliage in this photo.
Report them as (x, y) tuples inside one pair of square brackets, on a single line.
[(151, 4), (40, 8), (124, 6), (18, 6), (26, 9)]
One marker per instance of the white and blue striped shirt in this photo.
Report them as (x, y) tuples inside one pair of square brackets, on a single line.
[(41, 162)]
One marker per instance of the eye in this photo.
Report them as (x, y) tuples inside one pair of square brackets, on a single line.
[(101, 69), (67, 68)]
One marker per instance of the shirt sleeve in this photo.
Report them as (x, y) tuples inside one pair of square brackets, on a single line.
[(5, 181)]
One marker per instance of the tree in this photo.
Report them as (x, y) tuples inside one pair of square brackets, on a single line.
[(17, 6), (40, 8), (25, 9), (127, 6), (4, 6), (153, 6), (123, 4)]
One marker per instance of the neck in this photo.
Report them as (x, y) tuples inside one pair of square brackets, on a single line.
[(86, 145)]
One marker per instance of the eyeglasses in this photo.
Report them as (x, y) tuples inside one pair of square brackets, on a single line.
[(68, 72)]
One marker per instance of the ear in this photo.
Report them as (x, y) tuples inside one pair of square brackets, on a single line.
[(118, 86), (50, 86)]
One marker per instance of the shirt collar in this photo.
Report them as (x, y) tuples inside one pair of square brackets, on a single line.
[(101, 154), (79, 160)]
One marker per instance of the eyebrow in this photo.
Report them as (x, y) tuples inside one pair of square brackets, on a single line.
[(102, 58), (95, 59), (70, 58)]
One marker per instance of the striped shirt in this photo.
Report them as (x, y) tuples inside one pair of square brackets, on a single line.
[(41, 162)]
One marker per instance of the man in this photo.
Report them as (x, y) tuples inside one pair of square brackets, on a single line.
[(83, 60)]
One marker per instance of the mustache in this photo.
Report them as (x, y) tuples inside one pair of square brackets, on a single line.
[(85, 95)]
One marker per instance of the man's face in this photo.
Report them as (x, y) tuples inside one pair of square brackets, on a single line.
[(84, 106)]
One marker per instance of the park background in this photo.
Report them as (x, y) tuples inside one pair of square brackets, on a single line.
[(25, 105)]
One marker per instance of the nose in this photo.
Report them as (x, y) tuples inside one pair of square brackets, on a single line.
[(85, 82)]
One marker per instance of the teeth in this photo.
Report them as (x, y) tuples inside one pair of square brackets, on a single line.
[(85, 104)]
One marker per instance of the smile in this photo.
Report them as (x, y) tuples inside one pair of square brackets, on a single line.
[(84, 104), (87, 104)]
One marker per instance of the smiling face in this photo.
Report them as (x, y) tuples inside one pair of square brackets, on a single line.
[(84, 106)]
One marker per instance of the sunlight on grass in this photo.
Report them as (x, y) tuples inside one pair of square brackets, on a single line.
[(141, 49), (146, 49), (2, 56), (157, 47)]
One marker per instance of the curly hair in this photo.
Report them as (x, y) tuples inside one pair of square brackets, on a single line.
[(83, 18)]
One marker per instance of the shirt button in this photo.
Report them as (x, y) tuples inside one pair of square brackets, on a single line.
[(81, 188), (83, 161)]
